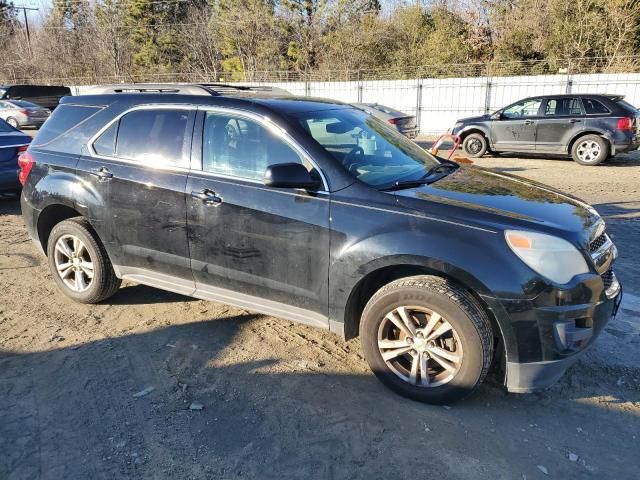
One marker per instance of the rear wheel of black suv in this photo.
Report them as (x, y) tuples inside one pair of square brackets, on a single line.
[(475, 145), (590, 150), (427, 339), (79, 263)]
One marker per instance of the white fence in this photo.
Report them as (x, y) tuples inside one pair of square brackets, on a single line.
[(438, 103)]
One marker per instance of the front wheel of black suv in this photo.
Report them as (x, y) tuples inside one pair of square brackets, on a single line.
[(79, 263), (590, 150), (427, 339), (475, 145)]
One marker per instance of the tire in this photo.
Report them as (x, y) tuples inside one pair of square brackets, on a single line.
[(475, 145), (590, 150), (102, 283), (470, 339), (13, 122)]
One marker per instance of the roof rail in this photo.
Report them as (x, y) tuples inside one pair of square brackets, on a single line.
[(148, 88), (184, 89)]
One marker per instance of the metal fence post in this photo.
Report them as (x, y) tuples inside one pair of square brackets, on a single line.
[(487, 93), (307, 88), (419, 103), (360, 87)]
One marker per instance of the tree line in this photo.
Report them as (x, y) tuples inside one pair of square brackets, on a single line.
[(146, 40)]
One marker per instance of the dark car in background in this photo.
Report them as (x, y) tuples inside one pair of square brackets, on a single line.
[(46, 96), (317, 212), (590, 128), (12, 143), (20, 113), (406, 124)]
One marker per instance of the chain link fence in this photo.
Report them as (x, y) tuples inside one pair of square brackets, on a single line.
[(574, 66)]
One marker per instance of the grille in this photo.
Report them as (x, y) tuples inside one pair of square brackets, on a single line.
[(597, 243), (607, 278)]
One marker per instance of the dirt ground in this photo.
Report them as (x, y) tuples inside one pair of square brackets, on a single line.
[(112, 390)]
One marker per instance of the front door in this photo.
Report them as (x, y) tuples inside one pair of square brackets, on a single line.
[(252, 245), (139, 166), (515, 129), (563, 118)]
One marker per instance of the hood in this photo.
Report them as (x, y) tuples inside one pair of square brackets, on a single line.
[(500, 199), (480, 118)]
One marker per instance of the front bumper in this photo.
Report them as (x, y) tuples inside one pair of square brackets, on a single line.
[(569, 333)]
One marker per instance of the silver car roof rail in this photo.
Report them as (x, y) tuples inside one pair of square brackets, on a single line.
[(184, 89)]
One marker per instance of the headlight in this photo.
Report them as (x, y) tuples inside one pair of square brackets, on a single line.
[(550, 256)]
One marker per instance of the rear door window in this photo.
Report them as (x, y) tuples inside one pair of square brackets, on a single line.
[(155, 137), (594, 107), (63, 119), (563, 107)]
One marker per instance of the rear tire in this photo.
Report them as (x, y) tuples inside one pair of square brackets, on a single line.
[(13, 122), (475, 145), (590, 150), (79, 263), (444, 351)]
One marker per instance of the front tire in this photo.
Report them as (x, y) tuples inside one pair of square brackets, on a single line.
[(475, 145), (13, 122), (427, 339), (79, 263), (590, 150)]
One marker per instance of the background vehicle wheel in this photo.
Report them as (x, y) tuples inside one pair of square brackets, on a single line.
[(475, 145), (79, 263), (426, 339), (590, 150), (13, 122)]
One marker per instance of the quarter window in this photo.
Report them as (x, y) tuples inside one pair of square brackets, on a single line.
[(156, 137), (240, 147), (527, 108), (594, 107), (563, 107), (105, 144)]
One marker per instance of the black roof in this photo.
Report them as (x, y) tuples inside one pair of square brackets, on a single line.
[(283, 105), (610, 96)]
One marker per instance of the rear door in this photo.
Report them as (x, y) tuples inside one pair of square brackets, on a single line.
[(515, 129), (139, 164), (562, 119), (251, 244)]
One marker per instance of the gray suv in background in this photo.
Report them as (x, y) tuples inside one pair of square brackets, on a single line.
[(590, 128)]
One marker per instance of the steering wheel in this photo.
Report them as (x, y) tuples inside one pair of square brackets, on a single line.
[(348, 162)]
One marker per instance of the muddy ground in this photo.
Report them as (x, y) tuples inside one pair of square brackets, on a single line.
[(92, 392)]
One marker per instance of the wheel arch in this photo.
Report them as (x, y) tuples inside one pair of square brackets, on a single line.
[(49, 217), (584, 133), (376, 278)]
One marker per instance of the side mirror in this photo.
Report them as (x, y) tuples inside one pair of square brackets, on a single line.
[(496, 116), (290, 175)]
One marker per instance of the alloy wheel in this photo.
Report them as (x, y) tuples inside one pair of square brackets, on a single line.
[(73, 263), (588, 151), (420, 346), (474, 146)]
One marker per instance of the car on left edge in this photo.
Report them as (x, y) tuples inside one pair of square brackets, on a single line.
[(12, 143)]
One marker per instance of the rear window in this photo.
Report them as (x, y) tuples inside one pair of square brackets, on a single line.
[(594, 107), (63, 119), (6, 128), (24, 103)]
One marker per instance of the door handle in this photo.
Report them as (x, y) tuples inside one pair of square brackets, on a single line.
[(528, 122), (102, 173), (574, 120), (207, 197)]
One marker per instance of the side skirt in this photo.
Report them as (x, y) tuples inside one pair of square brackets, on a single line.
[(222, 295)]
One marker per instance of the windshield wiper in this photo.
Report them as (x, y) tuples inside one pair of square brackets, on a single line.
[(426, 179)]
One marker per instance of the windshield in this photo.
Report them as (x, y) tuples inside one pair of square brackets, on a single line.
[(367, 148)]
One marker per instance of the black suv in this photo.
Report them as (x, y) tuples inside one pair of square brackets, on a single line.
[(317, 212), (590, 128)]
